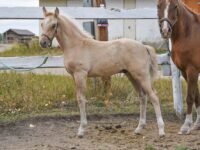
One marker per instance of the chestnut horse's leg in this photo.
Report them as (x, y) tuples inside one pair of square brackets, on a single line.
[(143, 104), (197, 104), (184, 75), (80, 81), (192, 78)]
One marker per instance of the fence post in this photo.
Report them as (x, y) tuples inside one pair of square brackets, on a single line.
[(177, 87)]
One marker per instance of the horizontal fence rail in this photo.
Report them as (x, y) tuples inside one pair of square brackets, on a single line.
[(31, 62), (78, 13), (52, 62)]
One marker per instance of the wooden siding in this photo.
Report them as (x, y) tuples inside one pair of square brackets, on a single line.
[(12, 37)]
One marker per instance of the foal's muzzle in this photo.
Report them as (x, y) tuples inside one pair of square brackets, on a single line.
[(45, 42)]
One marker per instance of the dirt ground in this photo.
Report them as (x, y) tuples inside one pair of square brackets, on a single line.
[(103, 133)]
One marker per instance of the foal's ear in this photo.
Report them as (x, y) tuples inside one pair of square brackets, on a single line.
[(44, 11), (56, 12)]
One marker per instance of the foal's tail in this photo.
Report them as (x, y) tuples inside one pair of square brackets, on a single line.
[(153, 62)]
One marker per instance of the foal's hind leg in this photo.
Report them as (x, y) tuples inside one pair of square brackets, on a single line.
[(147, 86), (80, 81), (143, 105), (107, 89)]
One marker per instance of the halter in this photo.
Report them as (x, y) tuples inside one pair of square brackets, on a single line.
[(170, 23), (51, 38)]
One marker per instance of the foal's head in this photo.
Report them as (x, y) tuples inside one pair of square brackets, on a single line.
[(49, 27), (168, 15)]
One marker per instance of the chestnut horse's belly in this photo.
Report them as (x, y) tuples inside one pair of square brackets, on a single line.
[(186, 58), (177, 59)]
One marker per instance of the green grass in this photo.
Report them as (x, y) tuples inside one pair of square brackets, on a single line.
[(22, 95), (161, 51), (31, 49), (149, 147)]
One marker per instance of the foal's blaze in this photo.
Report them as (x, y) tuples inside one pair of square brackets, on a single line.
[(49, 28), (167, 13)]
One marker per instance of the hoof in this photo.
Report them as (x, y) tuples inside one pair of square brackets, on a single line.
[(80, 133), (138, 131), (186, 128), (196, 127), (80, 136), (184, 131), (161, 134)]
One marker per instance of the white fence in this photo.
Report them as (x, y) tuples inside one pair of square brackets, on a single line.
[(86, 13)]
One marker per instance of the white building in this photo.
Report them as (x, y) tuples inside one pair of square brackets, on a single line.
[(142, 30)]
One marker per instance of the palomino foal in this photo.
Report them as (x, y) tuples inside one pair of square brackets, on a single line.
[(182, 26), (85, 57)]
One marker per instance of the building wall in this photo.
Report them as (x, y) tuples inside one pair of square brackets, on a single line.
[(75, 3), (11, 37), (142, 30), (147, 30), (53, 3), (146, 3), (130, 25), (124, 28), (115, 28)]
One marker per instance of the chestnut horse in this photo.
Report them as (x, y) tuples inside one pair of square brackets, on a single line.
[(182, 26), (85, 57)]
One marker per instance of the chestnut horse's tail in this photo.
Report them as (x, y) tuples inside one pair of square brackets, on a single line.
[(153, 62)]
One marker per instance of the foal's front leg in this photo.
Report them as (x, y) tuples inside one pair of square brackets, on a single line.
[(80, 81)]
